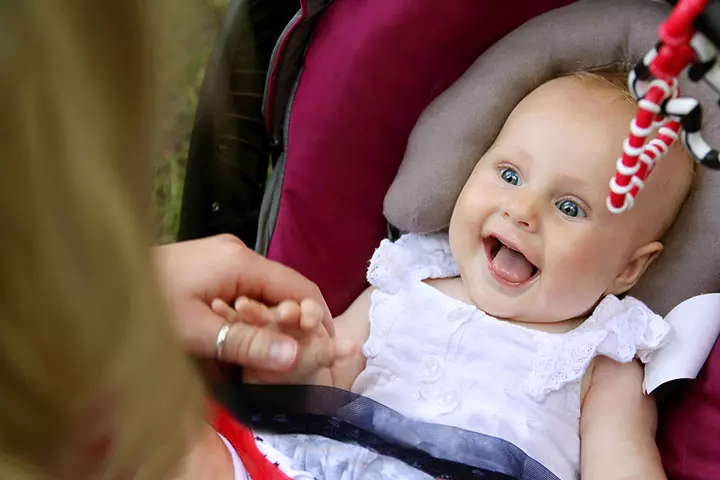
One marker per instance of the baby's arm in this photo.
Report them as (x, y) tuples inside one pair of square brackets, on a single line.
[(353, 325), (618, 425)]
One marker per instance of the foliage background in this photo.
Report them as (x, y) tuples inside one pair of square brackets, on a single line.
[(186, 40)]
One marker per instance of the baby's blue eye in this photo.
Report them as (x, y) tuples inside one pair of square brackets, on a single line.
[(510, 176), (570, 208)]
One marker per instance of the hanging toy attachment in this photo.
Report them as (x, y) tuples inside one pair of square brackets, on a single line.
[(653, 83)]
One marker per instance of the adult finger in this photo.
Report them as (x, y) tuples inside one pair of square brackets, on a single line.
[(259, 348), (272, 282), (223, 267), (246, 345)]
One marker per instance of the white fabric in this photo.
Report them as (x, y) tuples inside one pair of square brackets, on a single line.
[(696, 327), (436, 359), (238, 467), (283, 463), (330, 459)]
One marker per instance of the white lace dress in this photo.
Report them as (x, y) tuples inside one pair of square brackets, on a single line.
[(436, 359)]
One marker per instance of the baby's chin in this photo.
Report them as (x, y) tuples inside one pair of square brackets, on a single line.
[(513, 315), (536, 320), (518, 310), (508, 310), (529, 307)]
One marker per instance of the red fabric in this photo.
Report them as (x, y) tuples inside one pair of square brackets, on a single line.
[(243, 440), (689, 433), (370, 70)]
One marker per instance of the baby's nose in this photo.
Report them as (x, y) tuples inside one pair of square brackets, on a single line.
[(522, 212)]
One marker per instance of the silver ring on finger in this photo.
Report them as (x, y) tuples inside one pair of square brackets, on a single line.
[(220, 341)]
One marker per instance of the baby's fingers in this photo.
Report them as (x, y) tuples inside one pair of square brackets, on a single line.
[(288, 313), (254, 312), (222, 309), (311, 314)]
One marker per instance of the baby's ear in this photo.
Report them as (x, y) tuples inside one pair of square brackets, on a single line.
[(639, 262)]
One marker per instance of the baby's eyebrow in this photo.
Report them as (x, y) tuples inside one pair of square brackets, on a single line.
[(512, 152), (587, 191), (578, 183)]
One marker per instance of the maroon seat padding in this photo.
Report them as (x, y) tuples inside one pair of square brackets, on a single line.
[(689, 431), (370, 70)]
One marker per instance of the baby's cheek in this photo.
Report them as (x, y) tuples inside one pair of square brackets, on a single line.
[(578, 283), (587, 253)]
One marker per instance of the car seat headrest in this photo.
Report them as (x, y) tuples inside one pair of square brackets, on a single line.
[(458, 127)]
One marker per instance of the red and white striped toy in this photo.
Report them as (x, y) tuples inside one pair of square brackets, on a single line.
[(653, 83)]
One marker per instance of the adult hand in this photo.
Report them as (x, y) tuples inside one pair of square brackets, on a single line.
[(194, 273), (303, 321)]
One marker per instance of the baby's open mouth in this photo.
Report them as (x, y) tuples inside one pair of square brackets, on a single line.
[(508, 263)]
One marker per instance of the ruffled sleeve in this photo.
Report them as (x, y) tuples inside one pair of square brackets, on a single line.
[(619, 329), (633, 330), (412, 258)]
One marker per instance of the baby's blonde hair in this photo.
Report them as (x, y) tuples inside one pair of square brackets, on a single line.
[(612, 81), (85, 344), (617, 83)]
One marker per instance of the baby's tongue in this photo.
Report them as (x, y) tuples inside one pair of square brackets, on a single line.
[(511, 266)]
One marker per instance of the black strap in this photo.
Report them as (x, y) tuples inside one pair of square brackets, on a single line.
[(438, 450)]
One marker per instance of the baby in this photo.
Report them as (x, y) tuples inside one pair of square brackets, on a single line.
[(511, 324)]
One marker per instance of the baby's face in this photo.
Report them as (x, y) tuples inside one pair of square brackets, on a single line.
[(530, 230)]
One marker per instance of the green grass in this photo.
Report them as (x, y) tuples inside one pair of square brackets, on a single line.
[(188, 57)]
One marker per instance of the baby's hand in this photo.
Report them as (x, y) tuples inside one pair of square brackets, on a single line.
[(303, 321)]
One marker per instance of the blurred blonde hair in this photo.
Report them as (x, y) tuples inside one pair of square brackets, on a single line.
[(86, 349)]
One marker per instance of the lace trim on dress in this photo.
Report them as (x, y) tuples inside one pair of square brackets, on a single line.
[(619, 329), (412, 258)]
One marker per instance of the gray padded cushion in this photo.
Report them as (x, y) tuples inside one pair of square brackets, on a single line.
[(458, 127)]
